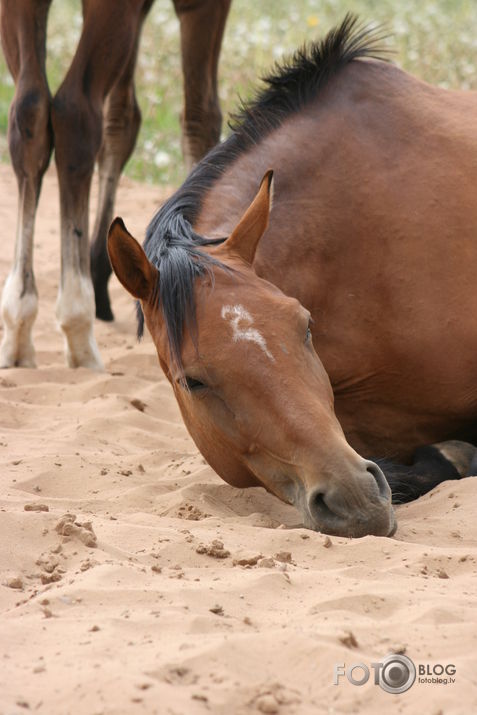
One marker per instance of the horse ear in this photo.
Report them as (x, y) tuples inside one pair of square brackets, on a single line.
[(251, 227), (129, 262)]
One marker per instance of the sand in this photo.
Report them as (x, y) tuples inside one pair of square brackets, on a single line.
[(165, 590)]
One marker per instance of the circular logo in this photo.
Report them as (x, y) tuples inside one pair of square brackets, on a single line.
[(397, 674)]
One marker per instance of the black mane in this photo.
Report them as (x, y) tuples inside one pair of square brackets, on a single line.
[(171, 243)]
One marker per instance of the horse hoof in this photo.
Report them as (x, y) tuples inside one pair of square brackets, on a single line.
[(9, 360), (462, 455), (89, 361), (103, 304), (105, 313)]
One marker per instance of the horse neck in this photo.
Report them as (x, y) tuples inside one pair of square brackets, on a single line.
[(228, 198)]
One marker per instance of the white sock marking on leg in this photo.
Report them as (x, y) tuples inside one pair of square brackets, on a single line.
[(19, 311), (75, 314)]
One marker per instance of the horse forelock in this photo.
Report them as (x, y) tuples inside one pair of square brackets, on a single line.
[(179, 260)]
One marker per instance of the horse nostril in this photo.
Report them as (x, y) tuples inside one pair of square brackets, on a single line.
[(319, 509), (380, 479)]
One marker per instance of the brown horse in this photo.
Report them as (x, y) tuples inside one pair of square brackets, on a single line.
[(93, 116), (341, 322)]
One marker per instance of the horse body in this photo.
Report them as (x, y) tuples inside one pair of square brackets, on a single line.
[(373, 229), (93, 116), (315, 324)]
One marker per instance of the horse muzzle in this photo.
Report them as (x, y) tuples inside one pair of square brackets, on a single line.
[(353, 505)]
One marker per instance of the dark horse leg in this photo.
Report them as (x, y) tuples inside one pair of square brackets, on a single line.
[(202, 27), (432, 465), (107, 43), (23, 33), (202, 24), (122, 119)]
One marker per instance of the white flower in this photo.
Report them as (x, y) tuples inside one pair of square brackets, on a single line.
[(162, 159)]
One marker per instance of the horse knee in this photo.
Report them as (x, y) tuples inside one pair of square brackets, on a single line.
[(133, 123), (122, 121), (201, 128), (77, 129), (461, 455), (29, 131), (30, 110)]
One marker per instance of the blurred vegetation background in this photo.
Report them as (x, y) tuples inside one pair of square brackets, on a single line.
[(434, 39)]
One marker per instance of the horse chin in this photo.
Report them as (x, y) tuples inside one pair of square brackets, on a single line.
[(351, 530)]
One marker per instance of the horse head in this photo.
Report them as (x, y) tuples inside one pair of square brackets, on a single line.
[(252, 391)]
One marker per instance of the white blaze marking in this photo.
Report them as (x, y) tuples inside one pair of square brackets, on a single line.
[(241, 322)]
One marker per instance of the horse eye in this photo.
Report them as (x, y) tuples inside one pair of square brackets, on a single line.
[(194, 385)]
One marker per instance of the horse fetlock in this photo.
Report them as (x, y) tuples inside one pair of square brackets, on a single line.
[(81, 349), (75, 314), (19, 310)]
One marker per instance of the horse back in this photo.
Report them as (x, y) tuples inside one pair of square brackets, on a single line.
[(374, 229)]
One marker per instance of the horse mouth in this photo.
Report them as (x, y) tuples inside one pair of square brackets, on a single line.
[(351, 526)]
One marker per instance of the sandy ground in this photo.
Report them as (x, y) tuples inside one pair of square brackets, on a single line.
[(130, 606)]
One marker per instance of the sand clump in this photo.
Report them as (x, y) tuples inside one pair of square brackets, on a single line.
[(36, 507), (215, 549), (69, 527), (13, 582)]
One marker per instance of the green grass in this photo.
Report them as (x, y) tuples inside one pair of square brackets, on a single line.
[(434, 39)]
